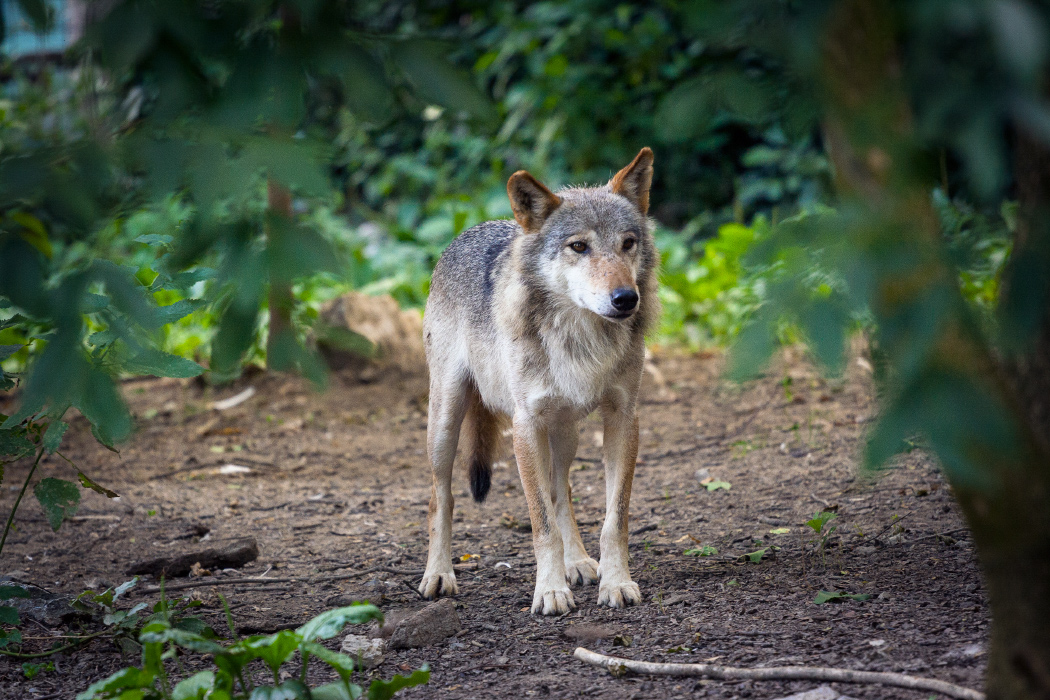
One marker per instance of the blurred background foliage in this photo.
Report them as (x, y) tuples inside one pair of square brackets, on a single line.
[(138, 228)]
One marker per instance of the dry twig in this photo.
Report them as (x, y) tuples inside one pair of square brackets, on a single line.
[(782, 673)]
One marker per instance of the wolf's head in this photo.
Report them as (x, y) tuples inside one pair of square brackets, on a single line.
[(592, 244)]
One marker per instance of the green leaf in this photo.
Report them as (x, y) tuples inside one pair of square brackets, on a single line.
[(125, 679), (286, 354), (162, 364), (9, 592), (705, 551), (336, 691), (7, 351), (53, 435), (753, 347), (839, 597), (13, 637), (33, 232), (342, 663), (273, 649), (15, 444), (330, 623), (291, 689), (757, 555), (58, 498), (103, 406), (346, 340), (87, 483), (182, 638), (195, 687), (716, 485), (384, 690), (9, 615), (820, 519), (433, 77)]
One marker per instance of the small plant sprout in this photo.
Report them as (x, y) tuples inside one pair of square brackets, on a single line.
[(705, 551), (818, 523)]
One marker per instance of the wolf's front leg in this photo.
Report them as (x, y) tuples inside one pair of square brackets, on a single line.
[(532, 452), (564, 439), (447, 408), (616, 589)]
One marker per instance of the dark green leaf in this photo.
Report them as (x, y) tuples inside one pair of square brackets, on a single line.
[(336, 691), (38, 12), (289, 690), (103, 406), (89, 484), (53, 435), (7, 351), (9, 615), (161, 364), (14, 443), (128, 678), (384, 690), (59, 499), (9, 592), (433, 77), (195, 687), (328, 624)]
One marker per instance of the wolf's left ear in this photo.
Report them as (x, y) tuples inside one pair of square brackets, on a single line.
[(531, 201), (633, 182)]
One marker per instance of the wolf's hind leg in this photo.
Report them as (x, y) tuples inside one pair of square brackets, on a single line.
[(564, 439), (448, 403)]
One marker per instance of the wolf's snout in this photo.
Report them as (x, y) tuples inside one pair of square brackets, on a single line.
[(624, 299)]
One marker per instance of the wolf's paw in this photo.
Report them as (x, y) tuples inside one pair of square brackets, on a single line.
[(552, 602), (619, 595), (434, 585), (581, 571)]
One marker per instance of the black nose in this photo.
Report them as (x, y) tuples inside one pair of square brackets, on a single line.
[(624, 299)]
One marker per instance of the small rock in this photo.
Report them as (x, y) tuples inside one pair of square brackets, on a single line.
[(426, 627), (866, 550), (703, 473), (47, 608), (824, 692), (367, 652), (16, 575)]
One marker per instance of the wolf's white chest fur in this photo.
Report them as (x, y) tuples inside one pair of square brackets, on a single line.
[(574, 369)]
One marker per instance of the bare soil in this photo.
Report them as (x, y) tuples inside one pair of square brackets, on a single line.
[(339, 485)]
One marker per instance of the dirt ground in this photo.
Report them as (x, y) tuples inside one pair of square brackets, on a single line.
[(339, 484)]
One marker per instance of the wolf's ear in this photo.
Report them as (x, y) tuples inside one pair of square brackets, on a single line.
[(633, 182), (531, 201)]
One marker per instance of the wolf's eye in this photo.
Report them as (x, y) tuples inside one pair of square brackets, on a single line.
[(628, 244), (579, 246)]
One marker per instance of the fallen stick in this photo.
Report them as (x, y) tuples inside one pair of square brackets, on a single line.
[(617, 665)]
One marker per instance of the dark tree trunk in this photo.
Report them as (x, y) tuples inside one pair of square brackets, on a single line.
[(279, 203), (870, 141)]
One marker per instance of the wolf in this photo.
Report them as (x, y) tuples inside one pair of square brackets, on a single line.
[(535, 323)]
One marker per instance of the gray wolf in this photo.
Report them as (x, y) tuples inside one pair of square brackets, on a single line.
[(537, 322)]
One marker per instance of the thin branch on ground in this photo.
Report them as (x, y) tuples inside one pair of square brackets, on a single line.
[(618, 666)]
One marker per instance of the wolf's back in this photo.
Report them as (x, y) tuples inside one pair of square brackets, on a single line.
[(465, 276)]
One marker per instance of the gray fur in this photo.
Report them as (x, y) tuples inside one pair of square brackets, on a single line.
[(519, 327)]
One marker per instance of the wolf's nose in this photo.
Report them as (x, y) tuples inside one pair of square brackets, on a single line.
[(624, 299)]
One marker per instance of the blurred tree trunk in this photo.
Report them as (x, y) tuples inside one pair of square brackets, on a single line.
[(279, 203), (870, 140)]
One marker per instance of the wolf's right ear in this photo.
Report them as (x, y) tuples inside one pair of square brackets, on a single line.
[(531, 201)]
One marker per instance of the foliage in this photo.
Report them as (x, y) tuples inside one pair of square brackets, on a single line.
[(706, 291), (839, 597), (233, 675)]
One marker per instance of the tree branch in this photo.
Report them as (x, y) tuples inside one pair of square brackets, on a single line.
[(618, 666)]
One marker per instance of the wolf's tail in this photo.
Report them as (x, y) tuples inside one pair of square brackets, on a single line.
[(482, 432)]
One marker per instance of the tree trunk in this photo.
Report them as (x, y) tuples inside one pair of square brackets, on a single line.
[(871, 145), (279, 202)]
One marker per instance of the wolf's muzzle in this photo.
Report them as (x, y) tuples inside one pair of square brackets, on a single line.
[(624, 299)]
